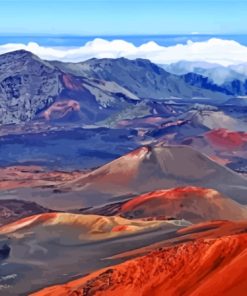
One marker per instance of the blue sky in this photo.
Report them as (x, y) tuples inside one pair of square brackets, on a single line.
[(115, 17)]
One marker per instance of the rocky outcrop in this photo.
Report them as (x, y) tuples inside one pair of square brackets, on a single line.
[(28, 85)]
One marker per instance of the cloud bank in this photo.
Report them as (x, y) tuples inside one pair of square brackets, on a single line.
[(223, 52)]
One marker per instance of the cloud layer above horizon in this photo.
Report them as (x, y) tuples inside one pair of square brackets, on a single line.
[(223, 52)]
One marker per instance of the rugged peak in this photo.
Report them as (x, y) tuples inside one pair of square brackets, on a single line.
[(28, 85), (21, 53), (139, 152), (14, 57)]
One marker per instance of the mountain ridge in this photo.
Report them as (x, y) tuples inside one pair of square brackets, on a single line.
[(101, 87)]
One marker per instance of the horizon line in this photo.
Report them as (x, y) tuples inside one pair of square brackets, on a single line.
[(117, 35)]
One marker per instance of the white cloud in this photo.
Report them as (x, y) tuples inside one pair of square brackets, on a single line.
[(224, 52)]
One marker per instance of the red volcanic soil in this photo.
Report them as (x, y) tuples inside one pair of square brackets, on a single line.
[(207, 266), (190, 203), (30, 176), (226, 140), (204, 230), (220, 160), (30, 220), (71, 83), (90, 226), (140, 152), (61, 109), (119, 228)]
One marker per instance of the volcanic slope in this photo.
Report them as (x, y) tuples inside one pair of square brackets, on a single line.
[(193, 204), (206, 266), (152, 168), (51, 248)]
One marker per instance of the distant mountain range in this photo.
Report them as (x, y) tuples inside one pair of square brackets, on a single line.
[(97, 90), (218, 74)]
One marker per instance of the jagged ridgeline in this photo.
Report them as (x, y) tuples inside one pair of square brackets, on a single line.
[(97, 89)]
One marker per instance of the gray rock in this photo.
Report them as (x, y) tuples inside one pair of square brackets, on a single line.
[(27, 86)]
